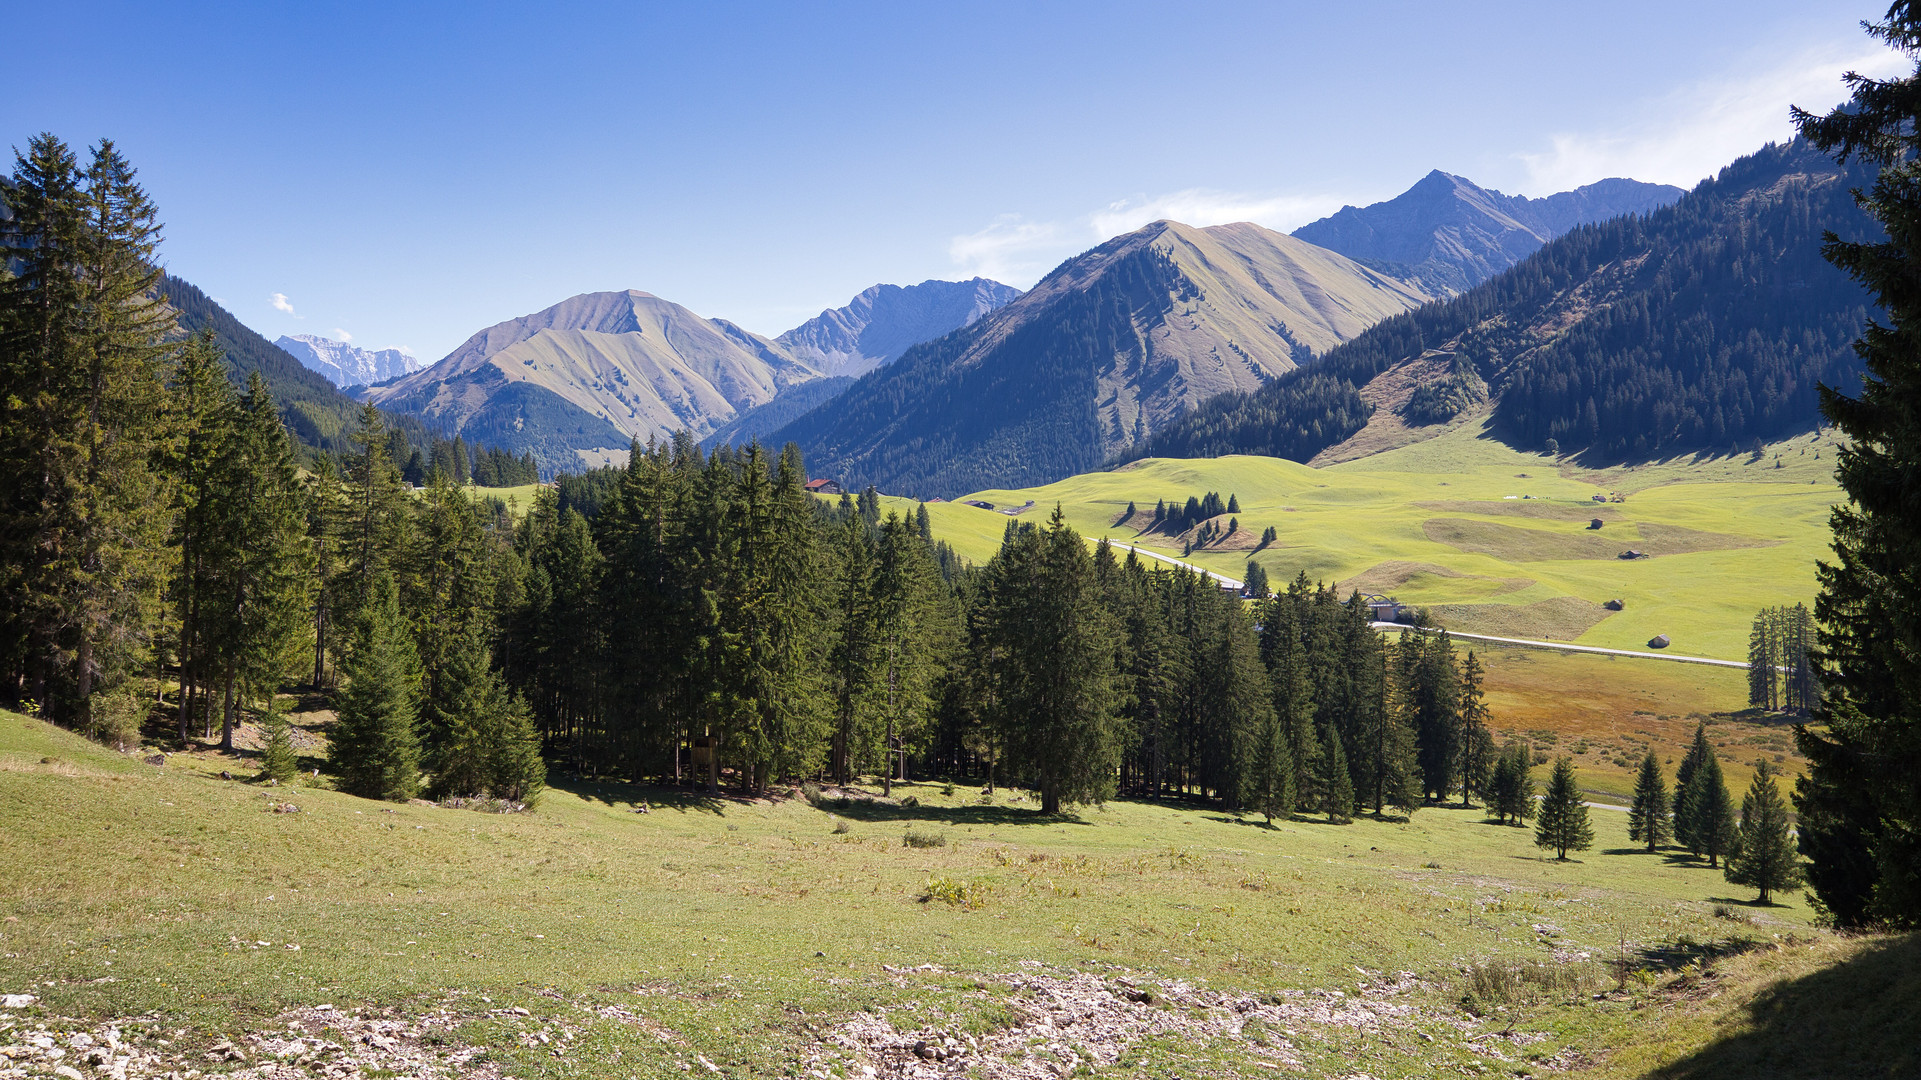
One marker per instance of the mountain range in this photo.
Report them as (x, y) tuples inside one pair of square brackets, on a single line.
[(1709, 324), (347, 365), (1112, 344), (945, 387), (1451, 234)]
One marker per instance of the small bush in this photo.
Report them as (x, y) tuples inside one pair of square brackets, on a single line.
[(841, 827), (954, 892), (811, 792), (916, 838), (1517, 982), (911, 800), (1723, 911), (115, 718), (947, 789), (277, 761)]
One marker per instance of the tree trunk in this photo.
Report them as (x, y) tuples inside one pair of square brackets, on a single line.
[(226, 717)]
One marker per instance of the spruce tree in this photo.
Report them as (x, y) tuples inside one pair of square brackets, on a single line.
[(1511, 794), (1476, 744), (1563, 823), (1860, 802), (1648, 818), (375, 749), (278, 762), (1333, 786), (1764, 855), (1699, 751), (1255, 583), (1709, 812)]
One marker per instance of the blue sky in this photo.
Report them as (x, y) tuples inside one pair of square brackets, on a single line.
[(408, 173)]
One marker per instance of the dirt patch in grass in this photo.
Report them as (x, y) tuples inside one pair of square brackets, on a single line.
[(1679, 540), (1538, 509), (1397, 573), (1055, 1023), (1563, 618), (1516, 544)]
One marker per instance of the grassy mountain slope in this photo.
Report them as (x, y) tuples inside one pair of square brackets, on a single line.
[(1443, 524), (885, 321), (595, 372), (317, 413), (1705, 324), (1108, 347), (1452, 234)]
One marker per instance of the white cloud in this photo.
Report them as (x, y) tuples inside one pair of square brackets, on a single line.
[(1009, 250), (281, 303), (340, 335), (1201, 207), (1685, 136)]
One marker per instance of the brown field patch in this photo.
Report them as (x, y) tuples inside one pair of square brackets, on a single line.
[(1396, 573), (1679, 540), (1515, 544), (1562, 618), (1539, 509)]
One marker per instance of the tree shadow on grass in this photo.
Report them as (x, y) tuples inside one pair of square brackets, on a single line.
[(655, 796), (870, 812), (1857, 1018), (1628, 851), (1251, 822)]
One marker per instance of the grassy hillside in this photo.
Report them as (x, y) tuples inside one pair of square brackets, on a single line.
[(761, 938), (1447, 524)]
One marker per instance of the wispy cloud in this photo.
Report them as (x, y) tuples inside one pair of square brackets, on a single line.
[(281, 303), (1687, 135), (1010, 249), (340, 335), (1203, 207)]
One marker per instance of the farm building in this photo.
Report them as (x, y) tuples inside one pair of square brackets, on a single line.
[(1385, 609), (826, 486)]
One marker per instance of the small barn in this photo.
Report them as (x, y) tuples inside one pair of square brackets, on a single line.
[(1614, 605), (1658, 641), (825, 486)]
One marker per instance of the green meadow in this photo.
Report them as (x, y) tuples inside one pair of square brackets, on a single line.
[(1490, 539), (773, 937)]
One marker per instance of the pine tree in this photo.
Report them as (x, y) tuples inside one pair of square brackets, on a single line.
[(1333, 785), (1255, 583), (1699, 751), (1764, 856), (1709, 812), (375, 747), (1648, 818), (488, 745), (851, 659), (1051, 653), (1511, 794), (1476, 744), (1860, 802), (83, 351), (278, 761), (1563, 823)]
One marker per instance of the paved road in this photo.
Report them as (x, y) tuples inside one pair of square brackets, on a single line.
[(1566, 647), (1232, 583)]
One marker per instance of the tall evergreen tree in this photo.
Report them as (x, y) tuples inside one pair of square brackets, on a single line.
[(82, 356), (375, 747), (1475, 746), (1699, 751), (1334, 788), (1051, 652), (1649, 821), (1709, 812), (1511, 788), (1860, 802), (278, 761), (1563, 823), (1764, 855)]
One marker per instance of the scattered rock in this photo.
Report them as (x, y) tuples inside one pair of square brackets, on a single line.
[(16, 1001), (225, 775), (156, 760)]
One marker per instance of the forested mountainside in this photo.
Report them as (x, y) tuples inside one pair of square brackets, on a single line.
[(319, 415), (1451, 234), (885, 321), (762, 421), (595, 372), (1109, 346), (1707, 324)]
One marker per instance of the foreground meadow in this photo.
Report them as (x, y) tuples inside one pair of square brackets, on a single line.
[(224, 926)]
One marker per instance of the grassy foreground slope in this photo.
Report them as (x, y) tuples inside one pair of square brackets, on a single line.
[(1447, 523), (767, 938)]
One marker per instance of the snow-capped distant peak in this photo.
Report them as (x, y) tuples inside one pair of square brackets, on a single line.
[(348, 365)]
